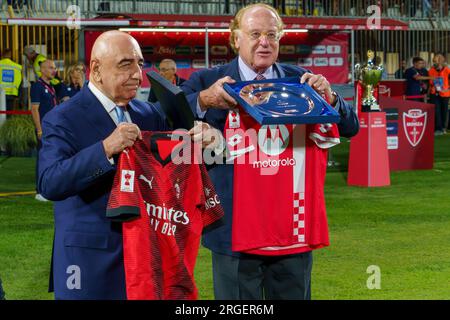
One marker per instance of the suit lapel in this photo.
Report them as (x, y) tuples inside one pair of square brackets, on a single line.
[(232, 70), (135, 115), (279, 70), (96, 114)]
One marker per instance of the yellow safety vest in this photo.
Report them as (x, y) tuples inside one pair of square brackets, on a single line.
[(37, 68), (10, 76)]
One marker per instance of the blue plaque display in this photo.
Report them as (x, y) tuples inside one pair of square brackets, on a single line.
[(282, 101)]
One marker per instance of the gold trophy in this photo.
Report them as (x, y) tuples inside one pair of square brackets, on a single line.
[(369, 75)]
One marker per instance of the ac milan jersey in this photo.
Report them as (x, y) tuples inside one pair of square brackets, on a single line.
[(173, 200), (279, 177)]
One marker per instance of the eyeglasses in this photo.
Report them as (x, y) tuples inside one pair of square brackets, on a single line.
[(272, 36), (166, 69)]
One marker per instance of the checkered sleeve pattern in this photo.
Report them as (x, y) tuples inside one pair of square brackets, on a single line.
[(299, 217)]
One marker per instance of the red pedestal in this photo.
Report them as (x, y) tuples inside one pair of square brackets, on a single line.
[(369, 161)]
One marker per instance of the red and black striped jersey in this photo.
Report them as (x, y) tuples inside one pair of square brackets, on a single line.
[(167, 200)]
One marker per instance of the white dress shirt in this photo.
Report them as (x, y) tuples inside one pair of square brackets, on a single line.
[(108, 104), (247, 73)]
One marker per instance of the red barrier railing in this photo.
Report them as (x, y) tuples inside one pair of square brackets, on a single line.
[(16, 112)]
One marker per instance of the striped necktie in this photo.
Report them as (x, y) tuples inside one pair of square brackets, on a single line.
[(120, 114), (259, 76)]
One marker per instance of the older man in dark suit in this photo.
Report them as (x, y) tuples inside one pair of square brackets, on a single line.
[(81, 141), (255, 34)]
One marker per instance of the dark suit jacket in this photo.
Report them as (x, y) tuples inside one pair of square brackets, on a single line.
[(75, 173), (219, 240)]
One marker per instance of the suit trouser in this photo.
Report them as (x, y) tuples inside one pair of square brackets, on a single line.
[(11, 102), (441, 110), (2, 293), (38, 149), (262, 277), (23, 101)]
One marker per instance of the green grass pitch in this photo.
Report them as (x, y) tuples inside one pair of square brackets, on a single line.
[(404, 229)]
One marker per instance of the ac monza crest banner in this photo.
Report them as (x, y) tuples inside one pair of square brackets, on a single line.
[(414, 124), (410, 133)]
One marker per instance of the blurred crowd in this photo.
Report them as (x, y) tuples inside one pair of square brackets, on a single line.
[(429, 85), (419, 9), (390, 8), (45, 89)]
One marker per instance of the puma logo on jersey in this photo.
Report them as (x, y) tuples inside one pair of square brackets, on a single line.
[(149, 182), (126, 152)]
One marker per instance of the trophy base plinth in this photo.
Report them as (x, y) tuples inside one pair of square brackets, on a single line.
[(370, 108), (368, 163)]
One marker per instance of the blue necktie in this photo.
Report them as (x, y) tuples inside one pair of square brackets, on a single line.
[(120, 114)]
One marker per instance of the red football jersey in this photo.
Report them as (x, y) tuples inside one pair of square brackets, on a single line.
[(279, 177), (173, 202)]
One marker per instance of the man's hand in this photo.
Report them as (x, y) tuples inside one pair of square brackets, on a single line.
[(320, 84), (216, 96), (122, 137), (209, 137)]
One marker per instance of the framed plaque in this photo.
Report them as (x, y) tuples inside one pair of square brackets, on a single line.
[(282, 101), (173, 101)]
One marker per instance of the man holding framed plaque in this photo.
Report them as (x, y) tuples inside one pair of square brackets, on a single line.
[(255, 34)]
